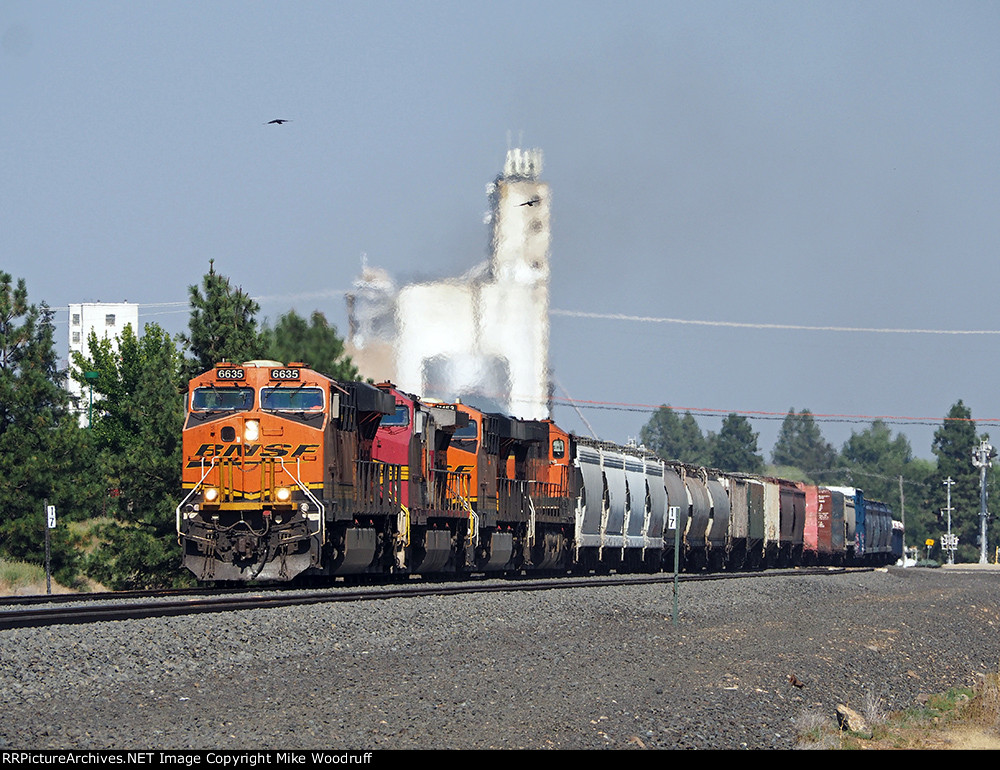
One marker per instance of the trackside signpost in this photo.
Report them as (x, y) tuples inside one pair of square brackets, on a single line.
[(672, 515), (50, 523)]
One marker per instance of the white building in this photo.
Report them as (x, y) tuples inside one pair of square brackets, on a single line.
[(105, 319), (483, 337)]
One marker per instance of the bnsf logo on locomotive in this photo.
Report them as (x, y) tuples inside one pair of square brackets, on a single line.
[(253, 452)]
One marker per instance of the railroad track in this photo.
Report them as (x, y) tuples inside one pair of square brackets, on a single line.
[(93, 608)]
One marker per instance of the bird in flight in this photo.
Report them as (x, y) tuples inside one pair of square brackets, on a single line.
[(532, 202), (279, 121)]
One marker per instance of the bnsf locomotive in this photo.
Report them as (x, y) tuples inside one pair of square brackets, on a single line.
[(288, 472)]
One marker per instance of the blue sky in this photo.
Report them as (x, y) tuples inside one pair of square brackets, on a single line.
[(823, 164)]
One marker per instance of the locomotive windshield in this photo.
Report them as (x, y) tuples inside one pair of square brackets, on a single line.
[(399, 419), (224, 399), (465, 438), (291, 399)]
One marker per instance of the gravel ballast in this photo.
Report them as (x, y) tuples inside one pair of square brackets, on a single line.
[(579, 668)]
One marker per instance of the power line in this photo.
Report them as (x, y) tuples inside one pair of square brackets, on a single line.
[(759, 415), (179, 307), (173, 308), (743, 325), (870, 474)]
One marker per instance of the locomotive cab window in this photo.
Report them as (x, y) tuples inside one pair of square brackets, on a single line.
[(225, 399), (558, 449), (291, 399), (466, 438), (400, 419)]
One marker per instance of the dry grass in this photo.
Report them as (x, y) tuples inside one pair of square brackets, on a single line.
[(873, 710), (961, 718), (984, 709), (18, 578)]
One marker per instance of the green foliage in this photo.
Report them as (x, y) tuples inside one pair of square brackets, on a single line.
[(315, 344), (875, 448), (919, 478), (953, 444), (801, 444), (675, 438), (734, 448), (138, 419), (42, 449), (223, 324), (874, 460), (790, 472), (16, 575)]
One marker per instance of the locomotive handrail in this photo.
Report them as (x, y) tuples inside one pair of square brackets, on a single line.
[(403, 517), (193, 490), (458, 478), (308, 493), (405, 513), (531, 522), (473, 518)]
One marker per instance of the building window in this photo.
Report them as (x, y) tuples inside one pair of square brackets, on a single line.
[(76, 319), (109, 319), (76, 338)]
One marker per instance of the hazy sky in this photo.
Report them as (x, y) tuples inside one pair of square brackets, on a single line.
[(823, 164)]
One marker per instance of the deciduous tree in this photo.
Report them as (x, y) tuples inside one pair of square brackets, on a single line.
[(138, 422), (874, 461)]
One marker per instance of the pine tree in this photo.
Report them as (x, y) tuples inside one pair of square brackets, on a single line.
[(316, 344), (674, 438), (953, 445), (223, 324), (734, 448), (42, 448), (801, 444)]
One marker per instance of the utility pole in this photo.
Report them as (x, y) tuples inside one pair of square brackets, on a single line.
[(91, 376), (949, 544), (902, 515), (982, 458)]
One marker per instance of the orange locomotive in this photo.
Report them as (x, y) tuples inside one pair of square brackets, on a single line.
[(520, 489), (288, 472), (279, 476)]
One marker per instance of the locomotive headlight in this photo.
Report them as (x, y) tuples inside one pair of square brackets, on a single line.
[(251, 430), (284, 494), (211, 494)]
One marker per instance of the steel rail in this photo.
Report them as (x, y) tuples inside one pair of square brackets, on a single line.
[(94, 613)]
